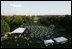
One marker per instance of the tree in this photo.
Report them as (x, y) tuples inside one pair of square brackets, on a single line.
[(67, 23), (15, 22), (4, 27)]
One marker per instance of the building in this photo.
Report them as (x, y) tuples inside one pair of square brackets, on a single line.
[(35, 22)]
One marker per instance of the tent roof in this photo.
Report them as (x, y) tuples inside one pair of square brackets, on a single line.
[(19, 30), (60, 39), (48, 41), (4, 38)]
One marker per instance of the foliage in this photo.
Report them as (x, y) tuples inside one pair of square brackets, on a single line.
[(4, 27), (62, 27), (60, 21)]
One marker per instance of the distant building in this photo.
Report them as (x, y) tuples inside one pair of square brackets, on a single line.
[(35, 22)]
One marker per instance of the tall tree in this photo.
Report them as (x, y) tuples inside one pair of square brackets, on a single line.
[(4, 27)]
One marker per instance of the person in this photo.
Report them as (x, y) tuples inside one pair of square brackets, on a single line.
[(51, 27)]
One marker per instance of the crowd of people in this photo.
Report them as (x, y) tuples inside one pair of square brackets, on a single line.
[(41, 32)]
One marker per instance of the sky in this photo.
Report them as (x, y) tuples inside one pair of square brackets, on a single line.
[(35, 7)]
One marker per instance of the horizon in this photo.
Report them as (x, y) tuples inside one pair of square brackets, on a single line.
[(35, 7)]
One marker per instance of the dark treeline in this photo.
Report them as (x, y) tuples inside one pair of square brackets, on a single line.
[(61, 22), (9, 23)]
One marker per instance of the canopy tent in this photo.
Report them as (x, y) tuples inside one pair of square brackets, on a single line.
[(60, 39), (48, 42), (19, 30), (4, 38)]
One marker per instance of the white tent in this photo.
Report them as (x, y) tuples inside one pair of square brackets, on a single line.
[(60, 39), (19, 30), (4, 38), (48, 42)]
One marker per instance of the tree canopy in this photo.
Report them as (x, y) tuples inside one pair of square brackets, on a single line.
[(4, 27)]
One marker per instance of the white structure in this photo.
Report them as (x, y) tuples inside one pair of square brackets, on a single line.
[(60, 40), (48, 42), (4, 38), (19, 30), (35, 21)]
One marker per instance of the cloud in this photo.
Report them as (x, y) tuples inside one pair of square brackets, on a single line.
[(15, 5)]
